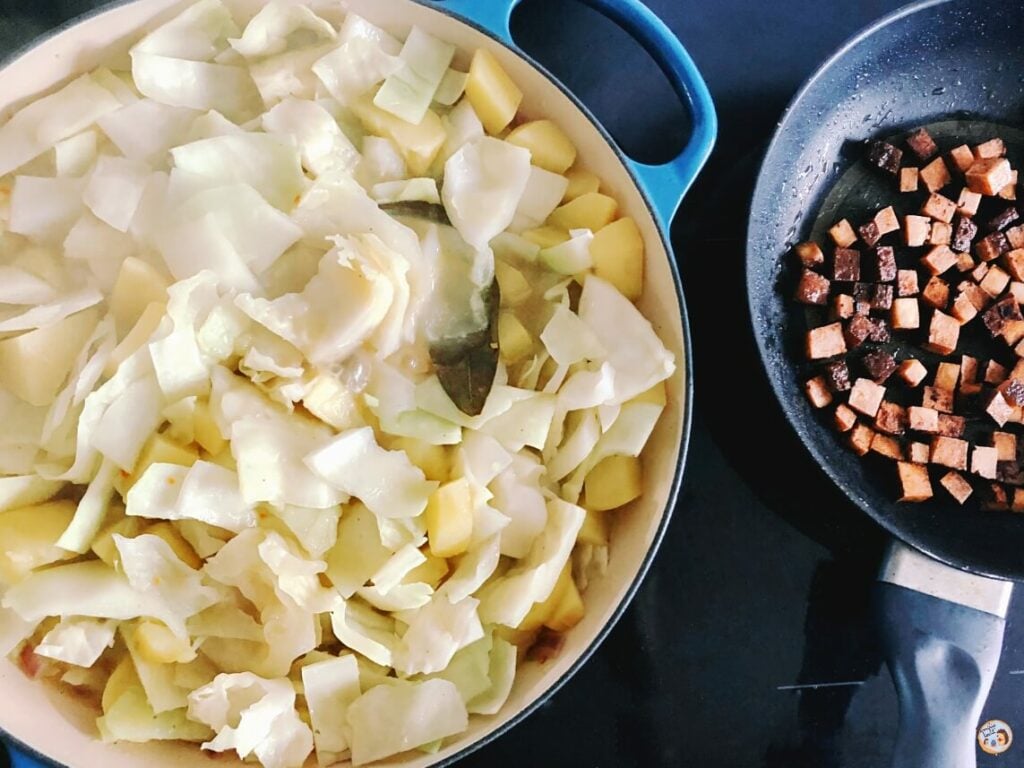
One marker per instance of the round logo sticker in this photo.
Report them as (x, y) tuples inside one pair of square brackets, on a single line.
[(995, 737)]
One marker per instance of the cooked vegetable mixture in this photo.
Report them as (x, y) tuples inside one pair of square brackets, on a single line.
[(319, 372)]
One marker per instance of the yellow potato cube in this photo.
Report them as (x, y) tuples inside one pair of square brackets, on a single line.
[(207, 432), (618, 253), (549, 147), (491, 92), (592, 211), (546, 237), (166, 531), (34, 365), (156, 643), (656, 395), (332, 402), (140, 333), (434, 460), (449, 517), (103, 545), (580, 183), (542, 612), (138, 285), (158, 450), (514, 341), (594, 530), (419, 144), (615, 481), (514, 287), (431, 572), (28, 538), (122, 679), (569, 610)]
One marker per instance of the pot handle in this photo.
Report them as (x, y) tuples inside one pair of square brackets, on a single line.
[(21, 760), (664, 184)]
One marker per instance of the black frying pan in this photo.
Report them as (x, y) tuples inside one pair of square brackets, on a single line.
[(926, 64)]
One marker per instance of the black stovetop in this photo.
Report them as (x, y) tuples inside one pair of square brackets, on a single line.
[(763, 584)]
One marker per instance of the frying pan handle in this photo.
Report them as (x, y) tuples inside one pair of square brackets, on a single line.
[(665, 184)]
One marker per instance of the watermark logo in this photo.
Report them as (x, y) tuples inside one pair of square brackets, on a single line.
[(995, 737)]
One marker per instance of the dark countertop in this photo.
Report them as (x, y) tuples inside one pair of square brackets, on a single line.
[(763, 580)]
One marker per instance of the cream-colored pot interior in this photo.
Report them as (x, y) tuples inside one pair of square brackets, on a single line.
[(62, 728)]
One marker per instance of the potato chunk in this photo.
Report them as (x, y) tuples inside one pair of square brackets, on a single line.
[(615, 481), (449, 517), (491, 92), (34, 365), (29, 537), (549, 147), (618, 254)]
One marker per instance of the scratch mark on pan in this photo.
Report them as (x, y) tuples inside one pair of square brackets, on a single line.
[(824, 685)]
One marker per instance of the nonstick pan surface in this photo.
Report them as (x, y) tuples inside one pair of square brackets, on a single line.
[(929, 63)]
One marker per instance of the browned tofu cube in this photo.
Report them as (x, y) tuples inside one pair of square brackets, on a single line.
[(837, 376), (923, 419), (818, 392), (1000, 314), (983, 462), (979, 272), (879, 365), (869, 233), (996, 499), (884, 156), (1014, 261), (1018, 500), (916, 230), (968, 202), (941, 233), (951, 426), (992, 246), (812, 288), (995, 374), (1009, 192), (989, 175), (1005, 444), (937, 399), (1003, 219), (881, 264), (887, 446), (963, 309), (957, 487), (988, 149), (905, 314), (1017, 291), (887, 221), (1013, 388), (908, 179), (912, 372), (879, 331), (935, 175), (914, 481), (939, 207), (860, 439), (968, 368), (995, 282), (964, 262), (973, 291), (858, 330), (946, 376), (881, 296), (964, 231), (826, 341), (844, 417), (842, 234), (1015, 235), (918, 453), (922, 144), (1013, 331), (962, 158), (949, 452), (891, 418), (939, 259), (936, 293), (846, 265), (906, 282), (866, 397), (998, 408), (943, 334), (842, 306)]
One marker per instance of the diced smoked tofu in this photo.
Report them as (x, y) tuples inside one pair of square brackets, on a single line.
[(988, 149), (939, 259), (946, 376), (923, 419), (943, 333), (912, 372), (882, 264), (881, 296), (941, 233), (866, 397), (936, 293), (810, 254), (935, 175), (1005, 444), (842, 306), (1000, 314), (860, 439), (964, 231), (1017, 291), (837, 376), (914, 481), (968, 369), (842, 234), (983, 462), (996, 498), (1013, 331), (968, 202), (916, 230), (885, 156), (887, 221), (979, 272), (1013, 388), (869, 233), (908, 179), (995, 374), (1009, 192), (989, 176), (1003, 219), (938, 399), (939, 207), (1018, 500), (879, 365), (826, 341), (918, 453), (995, 282), (957, 487), (951, 426), (998, 409), (812, 288), (978, 297), (905, 314), (1014, 261), (1016, 236), (949, 452), (964, 262), (857, 331), (992, 246), (818, 392), (962, 157), (887, 446), (844, 417), (846, 265), (891, 418), (922, 144), (879, 331), (906, 282)]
